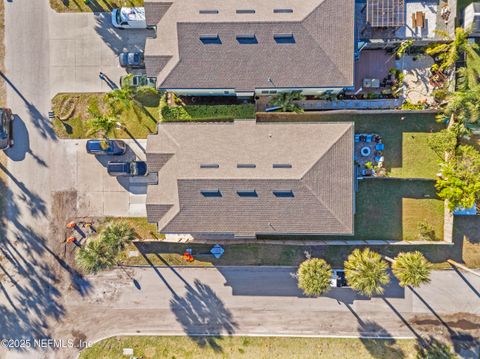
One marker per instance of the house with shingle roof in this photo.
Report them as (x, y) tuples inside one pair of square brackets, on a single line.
[(245, 179), (247, 47)]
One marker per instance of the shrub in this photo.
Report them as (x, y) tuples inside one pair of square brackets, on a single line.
[(425, 231)]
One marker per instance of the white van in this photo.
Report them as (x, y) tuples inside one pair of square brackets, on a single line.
[(129, 18)]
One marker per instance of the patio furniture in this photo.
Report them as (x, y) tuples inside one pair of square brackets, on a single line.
[(362, 138), (377, 138), (369, 138), (375, 83), (357, 138), (379, 147), (379, 159), (367, 83), (365, 151)]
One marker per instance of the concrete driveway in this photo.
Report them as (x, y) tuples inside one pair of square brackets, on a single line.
[(81, 45), (99, 194)]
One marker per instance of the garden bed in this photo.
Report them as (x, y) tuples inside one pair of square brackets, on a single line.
[(139, 124)]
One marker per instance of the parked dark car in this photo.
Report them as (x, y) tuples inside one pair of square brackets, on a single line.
[(132, 168), (106, 147), (338, 279), (6, 128), (131, 59)]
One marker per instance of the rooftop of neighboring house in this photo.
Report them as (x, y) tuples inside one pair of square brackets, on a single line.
[(251, 178), (249, 44)]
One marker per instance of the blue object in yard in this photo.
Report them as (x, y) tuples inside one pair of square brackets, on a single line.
[(274, 108), (369, 138), (460, 211), (357, 138), (380, 147), (217, 251)]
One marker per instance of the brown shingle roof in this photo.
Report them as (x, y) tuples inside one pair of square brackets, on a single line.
[(320, 178), (321, 56)]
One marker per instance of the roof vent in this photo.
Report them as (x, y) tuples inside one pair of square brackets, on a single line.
[(209, 165), (211, 193), (282, 11), (245, 11), (208, 11), (246, 165), (283, 193), (282, 165)]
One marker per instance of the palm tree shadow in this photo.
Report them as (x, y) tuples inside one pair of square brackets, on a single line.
[(203, 315), (378, 341)]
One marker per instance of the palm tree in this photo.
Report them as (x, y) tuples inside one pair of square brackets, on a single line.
[(126, 96), (366, 272), (411, 269), (450, 50), (286, 101), (105, 125), (116, 235), (94, 256), (464, 108), (314, 276)]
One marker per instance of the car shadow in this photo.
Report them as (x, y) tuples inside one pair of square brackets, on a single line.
[(21, 145)]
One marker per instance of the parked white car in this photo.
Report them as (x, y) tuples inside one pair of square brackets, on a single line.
[(129, 18)]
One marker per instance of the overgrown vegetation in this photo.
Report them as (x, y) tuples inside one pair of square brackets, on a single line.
[(460, 179), (182, 112), (101, 251)]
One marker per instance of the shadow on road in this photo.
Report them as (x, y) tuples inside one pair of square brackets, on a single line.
[(32, 271), (40, 121), (383, 348), (203, 315)]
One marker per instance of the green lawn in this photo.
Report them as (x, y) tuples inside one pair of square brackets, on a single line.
[(92, 5), (404, 135), (418, 159), (138, 125), (251, 347)]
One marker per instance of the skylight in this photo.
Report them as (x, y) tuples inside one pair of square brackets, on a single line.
[(284, 38), (211, 193), (246, 165), (247, 39), (247, 193), (213, 39), (283, 193), (282, 165)]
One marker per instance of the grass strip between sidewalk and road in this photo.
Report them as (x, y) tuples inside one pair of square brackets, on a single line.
[(251, 347)]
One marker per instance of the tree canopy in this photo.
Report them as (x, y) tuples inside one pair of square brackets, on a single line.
[(366, 272), (411, 269), (460, 180), (314, 276)]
